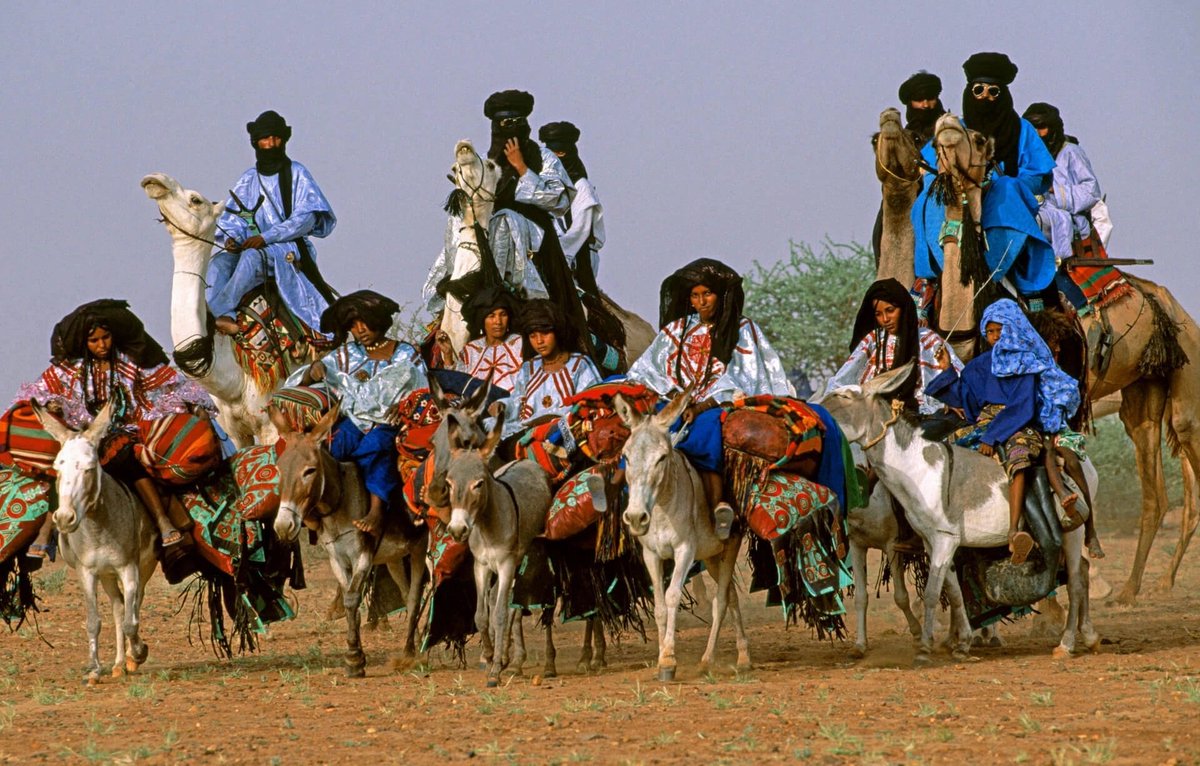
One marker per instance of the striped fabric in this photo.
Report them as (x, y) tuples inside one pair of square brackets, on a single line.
[(24, 443), (179, 448), (302, 406)]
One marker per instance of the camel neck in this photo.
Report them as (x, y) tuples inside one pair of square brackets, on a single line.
[(189, 309)]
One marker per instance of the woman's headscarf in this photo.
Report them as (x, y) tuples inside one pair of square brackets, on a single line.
[(675, 301), (375, 310), (907, 333), (542, 315), (68, 342), (1021, 351), (485, 302)]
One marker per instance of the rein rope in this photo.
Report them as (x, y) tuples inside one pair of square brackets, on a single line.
[(897, 408)]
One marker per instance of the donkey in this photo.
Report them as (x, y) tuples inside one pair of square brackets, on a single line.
[(669, 513), (106, 536), (952, 497), (327, 496), (498, 516)]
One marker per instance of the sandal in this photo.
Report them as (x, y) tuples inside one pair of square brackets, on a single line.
[(174, 537), (1020, 545), (42, 552)]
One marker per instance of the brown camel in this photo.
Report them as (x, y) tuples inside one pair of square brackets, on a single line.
[(1154, 359), (897, 164)]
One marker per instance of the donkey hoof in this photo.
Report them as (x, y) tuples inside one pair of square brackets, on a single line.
[(962, 655), (666, 674), (1061, 653), (858, 652), (492, 682), (922, 660), (356, 670), (549, 673), (139, 655), (118, 670), (92, 679)]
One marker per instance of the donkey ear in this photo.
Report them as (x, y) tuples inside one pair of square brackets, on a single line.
[(435, 392), (327, 422), (53, 425), (672, 411), (493, 438), (280, 420), (889, 382), (630, 416), (477, 402), (96, 432)]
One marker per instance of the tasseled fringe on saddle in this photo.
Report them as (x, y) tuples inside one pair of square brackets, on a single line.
[(744, 473), (611, 536), (206, 596), (456, 203), (1163, 354), (821, 613), (17, 598)]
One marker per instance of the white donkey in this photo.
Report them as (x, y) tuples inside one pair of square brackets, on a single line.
[(669, 514), (498, 516), (106, 535), (952, 497)]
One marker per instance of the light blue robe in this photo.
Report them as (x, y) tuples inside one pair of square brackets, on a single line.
[(1063, 212), (1015, 246), (232, 275), (369, 388)]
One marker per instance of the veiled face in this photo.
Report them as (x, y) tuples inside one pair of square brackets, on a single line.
[(269, 142), (99, 342)]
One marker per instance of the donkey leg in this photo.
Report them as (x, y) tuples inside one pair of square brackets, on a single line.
[(743, 641), (1091, 639), (724, 564), (112, 589), (960, 623), (1076, 591), (899, 595), (598, 641), (654, 567), (585, 656), (131, 584), (858, 567), (87, 579), (356, 659), (483, 614), (549, 668), (518, 653), (684, 556), (500, 617), (940, 554)]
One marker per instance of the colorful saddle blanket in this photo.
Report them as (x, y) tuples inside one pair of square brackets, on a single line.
[(572, 510), (301, 406), (270, 340), (24, 443), (766, 433), (24, 499), (179, 448), (594, 426), (1095, 285)]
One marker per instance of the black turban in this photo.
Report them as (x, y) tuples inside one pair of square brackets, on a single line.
[(484, 302), (376, 311), (922, 86), (908, 339), (269, 123), (675, 301), (511, 103), (559, 136), (990, 67), (562, 137), (542, 315), (69, 340), (1043, 115)]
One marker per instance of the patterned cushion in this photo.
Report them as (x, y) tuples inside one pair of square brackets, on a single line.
[(24, 443), (24, 499), (179, 448), (572, 511), (257, 478)]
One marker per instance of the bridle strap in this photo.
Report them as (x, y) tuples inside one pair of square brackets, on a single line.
[(897, 408)]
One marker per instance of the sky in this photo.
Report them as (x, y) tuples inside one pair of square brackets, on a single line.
[(709, 129)]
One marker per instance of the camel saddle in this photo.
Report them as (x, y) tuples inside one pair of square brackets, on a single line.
[(782, 433)]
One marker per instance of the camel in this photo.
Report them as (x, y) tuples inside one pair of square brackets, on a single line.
[(897, 164), (1154, 361), (471, 205), (206, 357)]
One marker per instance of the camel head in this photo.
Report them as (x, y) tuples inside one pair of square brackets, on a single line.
[(964, 153), (189, 216), (897, 155), (476, 179)]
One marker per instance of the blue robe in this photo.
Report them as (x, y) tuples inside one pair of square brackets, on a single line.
[(1016, 247), (232, 275), (978, 386)]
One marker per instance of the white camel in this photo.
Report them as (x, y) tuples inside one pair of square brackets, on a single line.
[(206, 357)]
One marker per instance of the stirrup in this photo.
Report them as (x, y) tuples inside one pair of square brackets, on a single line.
[(723, 520)]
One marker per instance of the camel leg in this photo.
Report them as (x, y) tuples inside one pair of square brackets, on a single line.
[(684, 556), (585, 656), (1185, 430), (1142, 406), (131, 585), (116, 599), (858, 567), (500, 618), (87, 579), (941, 553)]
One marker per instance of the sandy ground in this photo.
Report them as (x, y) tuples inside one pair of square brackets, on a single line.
[(1137, 701)]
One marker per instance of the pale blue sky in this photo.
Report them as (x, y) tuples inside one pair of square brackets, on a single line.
[(708, 131)]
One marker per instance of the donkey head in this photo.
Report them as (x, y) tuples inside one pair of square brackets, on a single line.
[(467, 477), (647, 454), (77, 466), (304, 472), (466, 415), (862, 410)]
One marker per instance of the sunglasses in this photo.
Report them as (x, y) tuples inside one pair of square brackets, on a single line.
[(981, 90), (511, 122)]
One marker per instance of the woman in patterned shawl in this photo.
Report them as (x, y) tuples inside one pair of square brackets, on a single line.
[(494, 352), (370, 373), (554, 369), (705, 342), (886, 336), (101, 353)]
